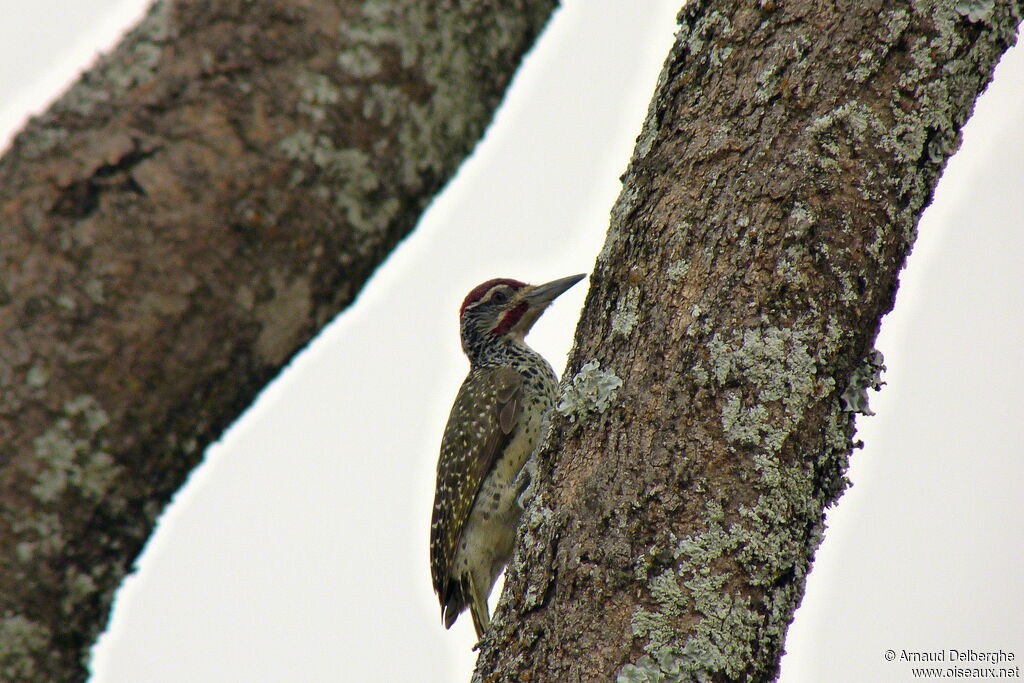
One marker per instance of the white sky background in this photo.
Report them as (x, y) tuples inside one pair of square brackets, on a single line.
[(298, 551)]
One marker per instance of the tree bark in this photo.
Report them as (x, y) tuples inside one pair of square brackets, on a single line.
[(769, 206), (180, 223)]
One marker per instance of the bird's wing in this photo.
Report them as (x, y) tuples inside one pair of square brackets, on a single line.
[(481, 423)]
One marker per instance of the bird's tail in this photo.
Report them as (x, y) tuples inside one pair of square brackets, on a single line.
[(455, 604), (478, 610)]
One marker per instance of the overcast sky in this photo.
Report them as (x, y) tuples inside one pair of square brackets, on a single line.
[(298, 550)]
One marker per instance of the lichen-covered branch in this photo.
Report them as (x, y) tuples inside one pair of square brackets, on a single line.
[(770, 203), (175, 227)]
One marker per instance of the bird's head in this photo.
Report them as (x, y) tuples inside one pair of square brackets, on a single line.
[(505, 309)]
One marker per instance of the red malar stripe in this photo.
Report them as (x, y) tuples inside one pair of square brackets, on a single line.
[(510, 319)]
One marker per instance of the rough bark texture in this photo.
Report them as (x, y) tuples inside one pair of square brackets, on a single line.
[(182, 221), (768, 208)]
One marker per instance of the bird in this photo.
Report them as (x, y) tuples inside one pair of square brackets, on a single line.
[(492, 430)]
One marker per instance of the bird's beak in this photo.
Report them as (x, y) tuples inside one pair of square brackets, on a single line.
[(542, 295), (537, 300)]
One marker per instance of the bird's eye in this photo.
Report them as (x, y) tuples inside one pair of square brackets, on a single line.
[(499, 297)]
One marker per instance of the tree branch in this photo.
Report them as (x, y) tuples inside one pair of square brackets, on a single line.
[(769, 206), (179, 223)]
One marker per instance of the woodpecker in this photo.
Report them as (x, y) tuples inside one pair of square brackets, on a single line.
[(492, 430)]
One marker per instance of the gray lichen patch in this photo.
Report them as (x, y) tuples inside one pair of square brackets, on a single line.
[(762, 542), (748, 425), (317, 93), (70, 455), (536, 519), (78, 587), (708, 27), (344, 175), (626, 312), (919, 138), (801, 214), (590, 392), (348, 165), (868, 375), (975, 10), (726, 626), (441, 59), (770, 378), (133, 63), (791, 267), (37, 376), (40, 534), (21, 639), (359, 61), (776, 363), (678, 269), (766, 546), (853, 116)]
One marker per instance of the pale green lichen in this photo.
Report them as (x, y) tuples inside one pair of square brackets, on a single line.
[(589, 392), (764, 546), (677, 270), (975, 10), (870, 59), (775, 371), (626, 312), (37, 376), (937, 78), (96, 475), (351, 174), (713, 24), (867, 64), (748, 426), (700, 324), (359, 61), (868, 375), (768, 81), (41, 535), (777, 363), (133, 63), (535, 519), (759, 544), (801, 214), (385, 104), (722, 638), (854, 116), (21, 639), (790, 266), (316, 95), (78, 587), (67, 455)]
